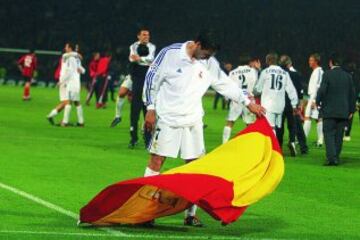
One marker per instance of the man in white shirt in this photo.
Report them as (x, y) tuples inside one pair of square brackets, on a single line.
[(245, 77), (311, 111), (69, 82), (69, 85), (174, 86), (272, 85)]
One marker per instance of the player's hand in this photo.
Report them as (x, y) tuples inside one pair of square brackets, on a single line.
[(256, 109), (135, 57), (150, 119), (350, 116)]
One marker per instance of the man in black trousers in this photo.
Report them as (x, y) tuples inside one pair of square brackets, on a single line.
[(293, 121), (336, 100)]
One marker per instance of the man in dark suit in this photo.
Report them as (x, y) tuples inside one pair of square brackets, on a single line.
[(293, 121), (336, 98)]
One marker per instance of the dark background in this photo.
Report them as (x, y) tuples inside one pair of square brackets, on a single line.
[(294, 27)]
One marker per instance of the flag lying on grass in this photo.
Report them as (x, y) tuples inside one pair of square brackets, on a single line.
[(223, 183)]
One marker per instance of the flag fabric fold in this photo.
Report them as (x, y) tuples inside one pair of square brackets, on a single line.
[(224, 183)]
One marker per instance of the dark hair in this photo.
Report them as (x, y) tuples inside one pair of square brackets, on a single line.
[(142, 29), (142, 50), (336, 59), (71, 45), (208, 40), (272, 58), (244, 59), (317, 57)]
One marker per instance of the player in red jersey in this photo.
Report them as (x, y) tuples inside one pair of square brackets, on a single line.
[(92, 73), (27, 65), (101, 86)]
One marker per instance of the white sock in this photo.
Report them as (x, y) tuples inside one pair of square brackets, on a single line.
[(53, 113), (67, 111), (226, 134), (307, 127), (119, 105), (191, 211), (149, 172), (80, 114), (320, 134)]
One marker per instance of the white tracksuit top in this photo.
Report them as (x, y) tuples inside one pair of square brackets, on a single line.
[(272, 85), (175, 84), (314, 83), (245, 77), (69, 74)]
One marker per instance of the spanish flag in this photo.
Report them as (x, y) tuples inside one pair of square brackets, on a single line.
[(223, 183)]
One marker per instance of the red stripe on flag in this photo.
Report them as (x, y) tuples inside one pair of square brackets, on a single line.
[(213, 194)]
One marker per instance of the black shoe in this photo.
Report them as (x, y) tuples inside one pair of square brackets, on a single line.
[(132, 144), (304, 152), (51, 120), (193, 221), (292, 149), (331, 164), (148, 224), (80, 124), (115, 122)]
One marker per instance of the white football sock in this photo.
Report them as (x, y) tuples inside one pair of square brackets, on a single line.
[(149, 172), (320, 134), (191, 211), (307, 127), (80, 114), (67, 111), (119, 105), (53, 113), (226, 134)]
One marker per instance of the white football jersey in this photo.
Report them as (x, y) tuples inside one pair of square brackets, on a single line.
[(69, 73), (245, 77), (272, 85), (175, 84), (314, 82)]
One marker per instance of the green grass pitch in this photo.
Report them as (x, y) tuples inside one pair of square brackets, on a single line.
[(68, 166)]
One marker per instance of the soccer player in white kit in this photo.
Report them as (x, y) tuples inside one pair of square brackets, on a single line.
[(272, 85), (174, 86), (245, 77), (311, 111), (64, 99), (70, 84)]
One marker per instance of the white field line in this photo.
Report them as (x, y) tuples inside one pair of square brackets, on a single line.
[(113, 233), (50, 205), (142, 236)]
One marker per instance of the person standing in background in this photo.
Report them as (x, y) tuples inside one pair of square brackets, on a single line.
[(102, 80), (336, 99), (311, 111), (142, 54), (27, 65)]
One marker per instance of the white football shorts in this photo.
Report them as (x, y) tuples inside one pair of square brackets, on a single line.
[(169, 141)]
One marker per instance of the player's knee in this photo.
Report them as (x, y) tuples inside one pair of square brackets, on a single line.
[(230, 124), (123, 92), (156, 162)]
